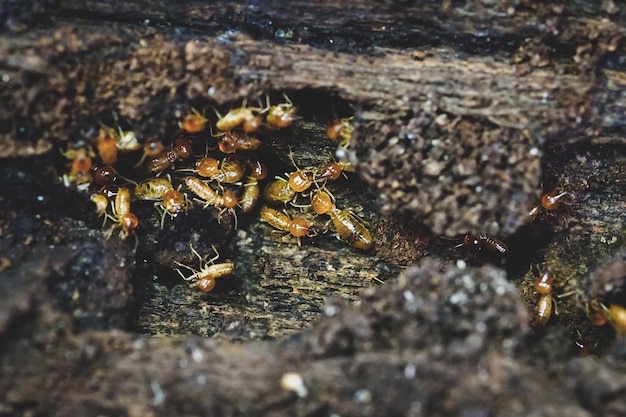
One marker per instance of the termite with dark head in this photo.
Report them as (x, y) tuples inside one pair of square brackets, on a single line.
[(482, 243)]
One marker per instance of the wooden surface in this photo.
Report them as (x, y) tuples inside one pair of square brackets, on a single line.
[(464, 115)]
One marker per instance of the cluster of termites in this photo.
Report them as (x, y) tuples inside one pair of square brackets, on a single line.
[(309, 183), (493, 248), (227, 178), (597, 312)]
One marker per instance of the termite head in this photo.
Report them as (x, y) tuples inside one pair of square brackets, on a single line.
[(193, 122), (183, 148), (471, 243)]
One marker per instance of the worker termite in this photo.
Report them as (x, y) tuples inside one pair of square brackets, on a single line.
[(151, 148), (228, 203), (231, 170), (204, 279), (230, 142), (168, 200), (479, 243), (101, 202), (121, 214), (241, 116), (107, 145), (350, 228), (127, 141), (172, 203), (206, 167), (80, 168), (549, 202), (193, 122), (210, 197), (333, 170), (301, 179), (152, 188), (278, 191), (615, 314), (297, 226), (182, 149), (340, 129), (544, 285), (281, 115), (250, 195), (322, 202)]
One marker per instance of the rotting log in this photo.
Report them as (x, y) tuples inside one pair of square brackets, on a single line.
[(420, 81), (502, 118)]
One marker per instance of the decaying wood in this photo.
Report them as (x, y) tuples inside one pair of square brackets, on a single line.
[(463, 116), (137, 71)]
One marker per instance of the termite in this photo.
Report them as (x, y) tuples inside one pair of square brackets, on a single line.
[(101, 202), (229, 142), (236, 117), (107, 145), (301, 179), (204, 279), (333, 170), (206, 167), (615, 314), (127, 141), (544, 286), (340, 129), (322, 202), (172, 203), (121, 214), (152, 189), (350, 228), (210, 197), (151, 148), (250, 195), (182, 149), (80, 170), (479, 242), (281, 115), (231, 170), (168, 200), (549, 202), (297, 227), (193, 122), (278, 191)]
